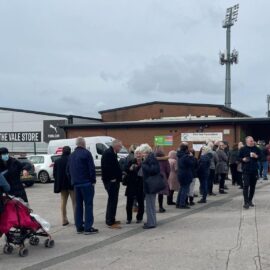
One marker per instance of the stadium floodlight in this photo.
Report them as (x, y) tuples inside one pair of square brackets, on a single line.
[(231, 16), (268, 105), (227, 58)]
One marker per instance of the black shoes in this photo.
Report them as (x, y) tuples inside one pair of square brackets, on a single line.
[(184, 207), (80, 230), (171, 203), (223, 192), (146, 227), (138, 221), (212, 194), (246, 206), (202, 201), (162, 210), (251, 204), (91, 231)]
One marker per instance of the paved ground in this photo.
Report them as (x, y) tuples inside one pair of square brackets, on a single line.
[(218, 235)]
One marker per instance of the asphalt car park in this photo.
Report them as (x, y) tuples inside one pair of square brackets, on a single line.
[(217, 235)]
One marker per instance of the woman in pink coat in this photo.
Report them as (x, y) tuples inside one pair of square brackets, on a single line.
[(165, 172), (172, 180)]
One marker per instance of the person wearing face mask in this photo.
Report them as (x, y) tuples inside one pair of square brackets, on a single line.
[(14, 169)]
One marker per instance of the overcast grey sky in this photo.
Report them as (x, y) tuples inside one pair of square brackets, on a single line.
[(82, 56)]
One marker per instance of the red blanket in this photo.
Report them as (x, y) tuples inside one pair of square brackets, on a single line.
[(16, 215)]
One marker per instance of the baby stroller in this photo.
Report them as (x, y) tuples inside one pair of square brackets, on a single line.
[(18, 224)]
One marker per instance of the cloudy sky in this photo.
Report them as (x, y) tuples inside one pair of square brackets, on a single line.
[(82, 56)]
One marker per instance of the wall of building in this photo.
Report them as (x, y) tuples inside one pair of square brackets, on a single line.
[(157, 111), (12, 121), (146, 135)]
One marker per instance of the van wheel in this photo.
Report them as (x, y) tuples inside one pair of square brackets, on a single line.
[(44, 177)]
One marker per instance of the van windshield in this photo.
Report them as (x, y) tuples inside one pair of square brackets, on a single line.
[(122, 151)]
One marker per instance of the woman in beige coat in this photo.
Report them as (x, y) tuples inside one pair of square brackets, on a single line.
[(172, 180)]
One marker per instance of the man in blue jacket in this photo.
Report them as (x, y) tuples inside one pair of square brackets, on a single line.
[(83, 177)]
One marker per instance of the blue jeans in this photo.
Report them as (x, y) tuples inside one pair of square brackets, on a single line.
[(84, 201), (182, 195), (263, 168)]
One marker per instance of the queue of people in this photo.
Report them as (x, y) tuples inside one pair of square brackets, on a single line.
[(148, 176)]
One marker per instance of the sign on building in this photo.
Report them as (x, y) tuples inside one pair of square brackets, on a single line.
[(163, 140), (20, 136), (52, 130), (201, 136)]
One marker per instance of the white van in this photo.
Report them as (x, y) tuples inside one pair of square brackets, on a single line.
[(96, 145)]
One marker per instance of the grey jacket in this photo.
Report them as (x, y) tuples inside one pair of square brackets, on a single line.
[(222, 165), (214, 160)]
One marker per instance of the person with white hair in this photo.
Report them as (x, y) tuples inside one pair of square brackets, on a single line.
[(222, 167), (81, 169), (111, 177), (134, 186), (239, 167), (249, 155), (150, 167), (212, 172)]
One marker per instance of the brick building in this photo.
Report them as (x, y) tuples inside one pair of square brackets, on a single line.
[(158, 110), (180, 121)]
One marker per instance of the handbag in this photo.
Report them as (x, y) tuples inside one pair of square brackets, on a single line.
[(155, 184)]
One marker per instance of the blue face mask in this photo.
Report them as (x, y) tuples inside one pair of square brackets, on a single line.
[(5, 157)]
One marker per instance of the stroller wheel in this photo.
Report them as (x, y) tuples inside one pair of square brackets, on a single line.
[(34, 241), (8, 249), (49, 243), (23, 252)]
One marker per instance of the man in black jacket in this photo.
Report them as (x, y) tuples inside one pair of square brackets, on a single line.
[(13, 169), (250, 154), (62, 183), (111, 177)]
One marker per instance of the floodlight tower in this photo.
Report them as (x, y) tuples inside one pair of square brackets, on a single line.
[(229, 58), (268, 105)]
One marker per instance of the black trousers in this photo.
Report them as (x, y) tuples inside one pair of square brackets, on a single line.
[(112, 189), (130, 203), (211, 180), (170, 197), (233, 168), (249, 185), (222, 178), (240, 179)]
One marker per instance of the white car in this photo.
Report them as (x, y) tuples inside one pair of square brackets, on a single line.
[(44, 166)]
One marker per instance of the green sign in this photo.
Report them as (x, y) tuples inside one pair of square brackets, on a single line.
[(164, 140)]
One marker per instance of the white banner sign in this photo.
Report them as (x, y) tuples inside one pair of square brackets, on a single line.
[(201, 136)]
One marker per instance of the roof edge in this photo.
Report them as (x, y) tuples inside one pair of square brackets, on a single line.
[(174, 103), (157, 123), (49, 114)]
